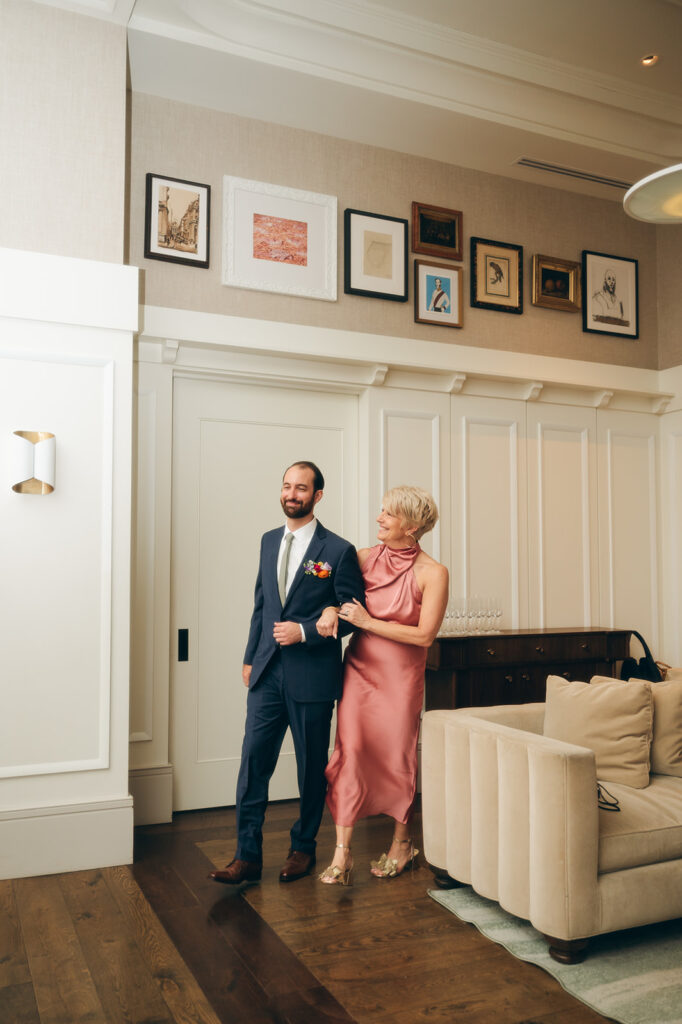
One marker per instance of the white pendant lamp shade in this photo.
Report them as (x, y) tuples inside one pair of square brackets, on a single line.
[(33, 461), (657, 198)]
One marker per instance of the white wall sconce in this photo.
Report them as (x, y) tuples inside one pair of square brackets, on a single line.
[(33, 461)]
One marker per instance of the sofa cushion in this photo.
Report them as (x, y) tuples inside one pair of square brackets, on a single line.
[(666, 746), (648, 829), (613, 719)]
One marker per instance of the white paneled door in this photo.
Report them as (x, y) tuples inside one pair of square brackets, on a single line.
[(232, 442)]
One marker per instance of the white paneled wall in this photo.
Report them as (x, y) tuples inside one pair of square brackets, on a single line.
[(488, 521), (628, 522), (409, 443), (66, 340), (671, 537), (562, 516)]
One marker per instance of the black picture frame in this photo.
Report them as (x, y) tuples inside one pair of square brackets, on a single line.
[(375, 255), (496, 275), (177, 221), (610, 295)]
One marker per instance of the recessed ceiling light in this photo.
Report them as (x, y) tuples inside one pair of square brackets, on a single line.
[(649, 60)]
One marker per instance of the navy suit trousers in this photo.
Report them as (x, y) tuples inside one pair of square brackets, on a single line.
[(269, 710)]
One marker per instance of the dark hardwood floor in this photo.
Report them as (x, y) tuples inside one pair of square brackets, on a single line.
[(160, 943)]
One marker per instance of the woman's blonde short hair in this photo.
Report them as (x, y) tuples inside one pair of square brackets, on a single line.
[(414, 506)]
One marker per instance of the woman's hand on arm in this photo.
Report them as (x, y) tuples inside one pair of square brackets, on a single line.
[(434, 603), (355, 613)]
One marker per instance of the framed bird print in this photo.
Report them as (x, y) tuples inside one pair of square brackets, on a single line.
[(496, 275)]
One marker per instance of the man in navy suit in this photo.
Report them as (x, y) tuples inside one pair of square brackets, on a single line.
[(293, 672)]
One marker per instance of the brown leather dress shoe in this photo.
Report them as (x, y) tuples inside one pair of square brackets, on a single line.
[(238, 871), (298, 865)]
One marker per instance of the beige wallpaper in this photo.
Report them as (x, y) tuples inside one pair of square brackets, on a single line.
[(62, 155), (202, 145), (669, 296)]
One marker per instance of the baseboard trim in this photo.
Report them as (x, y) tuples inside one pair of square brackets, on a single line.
[(68, 837), (152, 790)]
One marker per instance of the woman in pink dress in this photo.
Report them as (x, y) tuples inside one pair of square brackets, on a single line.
[(373, 769)]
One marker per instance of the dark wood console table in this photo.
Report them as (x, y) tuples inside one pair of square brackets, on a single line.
[(511, 667)]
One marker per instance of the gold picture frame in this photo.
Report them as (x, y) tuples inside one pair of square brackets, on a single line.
[(556, 284), (437, 294)]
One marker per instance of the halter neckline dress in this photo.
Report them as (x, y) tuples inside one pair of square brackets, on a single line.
[(373, 769)]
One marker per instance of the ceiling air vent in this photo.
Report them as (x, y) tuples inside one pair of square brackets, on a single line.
[(571, 172)]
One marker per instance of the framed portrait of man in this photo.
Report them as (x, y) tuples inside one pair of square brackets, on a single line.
[(610, 295)]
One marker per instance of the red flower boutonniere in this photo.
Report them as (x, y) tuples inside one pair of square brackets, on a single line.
[(320, 569)]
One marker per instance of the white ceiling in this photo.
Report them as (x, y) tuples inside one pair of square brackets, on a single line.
[(479, 83)]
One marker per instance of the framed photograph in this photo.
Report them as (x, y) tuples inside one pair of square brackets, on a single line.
[(556, 283), (496, 275), (436, 231), (375, 257), (437, 294), (610, 303), (278, 239), (177, 221)]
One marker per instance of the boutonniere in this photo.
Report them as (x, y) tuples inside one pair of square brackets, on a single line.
[(320, 569)]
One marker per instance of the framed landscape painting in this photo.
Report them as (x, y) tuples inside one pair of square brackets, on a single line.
[(279, 239), (496, 275), (610, 303)]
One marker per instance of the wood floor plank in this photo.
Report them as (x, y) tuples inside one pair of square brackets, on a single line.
[(179, 989), (64, 991), (279, 973), (126, 989), (18, 1004), (13, 963)]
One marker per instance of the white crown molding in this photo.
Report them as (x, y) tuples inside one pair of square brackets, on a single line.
[(214, 345)]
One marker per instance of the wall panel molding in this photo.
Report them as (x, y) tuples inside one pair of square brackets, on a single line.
[(628, 514), (562, 510), (72, 502)]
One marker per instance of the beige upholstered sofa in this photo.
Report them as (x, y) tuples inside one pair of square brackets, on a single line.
[(514, 814)]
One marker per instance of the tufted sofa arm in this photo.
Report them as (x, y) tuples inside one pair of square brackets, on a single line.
[(514, 814)]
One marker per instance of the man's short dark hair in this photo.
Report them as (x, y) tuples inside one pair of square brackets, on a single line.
[(318, 479)]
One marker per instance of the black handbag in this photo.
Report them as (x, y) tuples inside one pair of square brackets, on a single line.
[(645, 668)]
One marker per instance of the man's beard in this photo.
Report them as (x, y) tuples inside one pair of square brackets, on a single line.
[(296, 509)]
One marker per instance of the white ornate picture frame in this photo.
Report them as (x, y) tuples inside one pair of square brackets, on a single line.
[(278, 239)]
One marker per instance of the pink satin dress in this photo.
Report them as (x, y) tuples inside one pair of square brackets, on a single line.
[(373, 769)]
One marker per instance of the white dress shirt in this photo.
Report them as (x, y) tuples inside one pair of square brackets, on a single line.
[(299, 546)]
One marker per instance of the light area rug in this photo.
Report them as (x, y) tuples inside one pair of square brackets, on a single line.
[(634, 977)]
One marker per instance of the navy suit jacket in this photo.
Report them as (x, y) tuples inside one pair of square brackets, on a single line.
[(312, 670)]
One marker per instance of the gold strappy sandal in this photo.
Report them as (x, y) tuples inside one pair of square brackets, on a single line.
[(338, 876), (387, 867)]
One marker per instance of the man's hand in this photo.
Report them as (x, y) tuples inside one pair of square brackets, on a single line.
[(246, 674), (328, 622), (287, 633)]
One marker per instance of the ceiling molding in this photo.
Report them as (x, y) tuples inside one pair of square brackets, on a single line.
[(371, 47)]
